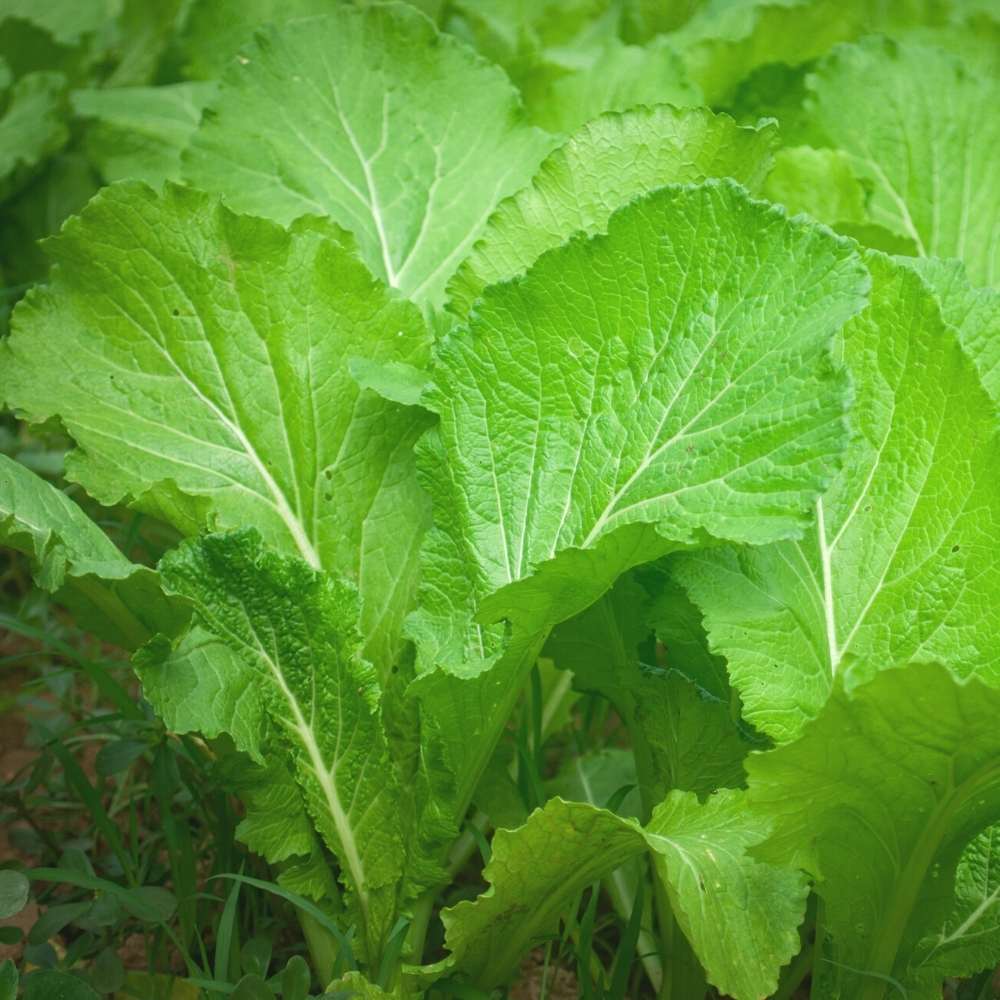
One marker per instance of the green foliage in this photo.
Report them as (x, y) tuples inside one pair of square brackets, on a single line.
[(574, 419)]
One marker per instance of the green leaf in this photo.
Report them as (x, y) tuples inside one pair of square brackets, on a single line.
[(148, 903), (296, 630), (72, 558), (138, 133), (602, 167), (682, 737), (51, 985), (211, 384), (899, 564), (973, 312), (617, 77), (877, 800), (968, 939), (32, 127), (819, 182), (216, 33), (8, 980), (14, 888), (360, 124), (740, 914), (66, 20), (654, 420), (535, 874), (197, 684), (252, 987), (909, 117)]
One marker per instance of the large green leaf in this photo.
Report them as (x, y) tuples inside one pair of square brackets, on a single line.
[(877, 800), (295, 629), (211, 384), (900, 562), (910, 118), (74, 559), (739, 914), (354, 116), (598, 170), (638, 392)]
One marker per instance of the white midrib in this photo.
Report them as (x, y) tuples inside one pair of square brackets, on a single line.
[(826, 566), (323, 774)]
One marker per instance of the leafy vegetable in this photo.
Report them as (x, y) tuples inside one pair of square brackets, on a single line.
[(573, 419)]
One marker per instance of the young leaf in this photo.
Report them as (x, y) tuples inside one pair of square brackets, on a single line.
[(296, 630), (211, 384), (910, 119), (877, 799), (602, 167), (75, 560), (900, 561), (353, 116)]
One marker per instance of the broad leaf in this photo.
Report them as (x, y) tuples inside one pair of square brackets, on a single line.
[(900, 562), (622, 400), (295, 629), (601, 168), (354, 116), (211, 384), (75, 560), (910, 118), (877, 799)]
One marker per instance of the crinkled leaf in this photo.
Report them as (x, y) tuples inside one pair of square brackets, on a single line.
[(353, 116), (605, 165), (877, 800), (211, 384), (296, 630), (901, 560), (138, 133), (619, 401), (74, 559), (911, 119)]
